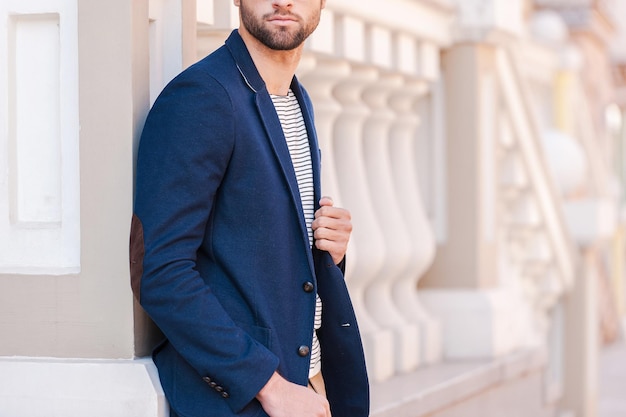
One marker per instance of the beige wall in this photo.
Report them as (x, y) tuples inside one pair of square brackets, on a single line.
[(90, 314)]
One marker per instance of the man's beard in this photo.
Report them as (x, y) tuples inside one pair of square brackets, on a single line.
[(279, 39)]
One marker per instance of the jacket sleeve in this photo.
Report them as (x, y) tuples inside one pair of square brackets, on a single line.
[(183, 154)]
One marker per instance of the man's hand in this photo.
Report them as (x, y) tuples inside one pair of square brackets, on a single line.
[(331, 228), (281, 398)]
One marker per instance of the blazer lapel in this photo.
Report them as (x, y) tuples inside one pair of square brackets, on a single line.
[(274, 131), (277, 141)]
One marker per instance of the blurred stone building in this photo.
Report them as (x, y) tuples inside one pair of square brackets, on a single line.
[(479, 144)]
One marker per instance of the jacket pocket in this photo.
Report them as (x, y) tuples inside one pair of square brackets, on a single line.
[(263, 335)]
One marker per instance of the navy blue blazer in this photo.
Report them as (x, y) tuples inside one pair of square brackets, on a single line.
[(220, 257)]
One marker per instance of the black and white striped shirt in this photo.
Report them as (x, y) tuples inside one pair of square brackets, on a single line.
[(290, 116)]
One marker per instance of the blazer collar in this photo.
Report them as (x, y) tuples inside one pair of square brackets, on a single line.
[(244, 62)]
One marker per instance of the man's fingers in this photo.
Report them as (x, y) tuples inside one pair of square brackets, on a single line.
[(332, 212), (326, 201), (334, 221), (281, 398), (329, 235), (331, 246), (332, 228)]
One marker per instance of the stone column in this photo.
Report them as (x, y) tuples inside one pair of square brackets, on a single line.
[(367, 236), (403, 158), (379, 294), (581, 339), (77, 307), (462, 288), (468, 259)]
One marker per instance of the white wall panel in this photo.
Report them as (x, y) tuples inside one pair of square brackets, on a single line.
[(39, 131), (34, 76)]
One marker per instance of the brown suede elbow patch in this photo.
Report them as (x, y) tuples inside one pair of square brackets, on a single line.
[(137, 251)]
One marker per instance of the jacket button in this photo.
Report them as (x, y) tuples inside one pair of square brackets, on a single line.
[(308, 287), (206, 379), (303, 351), (225, 394), (219, 389)]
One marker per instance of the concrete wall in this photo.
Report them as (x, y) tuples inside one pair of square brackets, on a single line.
[(76, 305)]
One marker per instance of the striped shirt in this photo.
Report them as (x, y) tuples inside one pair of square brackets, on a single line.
[(290, 116)]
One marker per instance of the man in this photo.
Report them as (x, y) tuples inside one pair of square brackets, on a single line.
[(234, 253)]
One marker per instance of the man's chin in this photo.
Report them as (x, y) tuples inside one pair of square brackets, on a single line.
[(282, 42)]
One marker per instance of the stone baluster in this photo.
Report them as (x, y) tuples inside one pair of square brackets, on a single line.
[(394, 261), (367, 237), (404, 160), (319, 77)]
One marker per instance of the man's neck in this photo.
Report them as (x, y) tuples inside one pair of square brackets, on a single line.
[(277, 68)]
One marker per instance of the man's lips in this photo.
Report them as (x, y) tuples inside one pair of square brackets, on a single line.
[(282, 20)]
